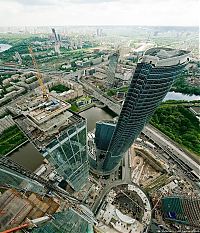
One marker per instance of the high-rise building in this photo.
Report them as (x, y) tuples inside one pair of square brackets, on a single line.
[(16, 180), (113, 60), (54, 33), (181, 209), (68, 221), (60, 136), (151, 81), (103, 134)]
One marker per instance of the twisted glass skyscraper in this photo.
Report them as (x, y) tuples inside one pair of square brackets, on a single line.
[(150, 83), (113, 60)]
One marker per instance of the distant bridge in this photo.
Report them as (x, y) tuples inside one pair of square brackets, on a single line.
[(102, 97)]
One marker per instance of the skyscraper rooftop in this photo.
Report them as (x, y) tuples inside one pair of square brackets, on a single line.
[(162, 56)]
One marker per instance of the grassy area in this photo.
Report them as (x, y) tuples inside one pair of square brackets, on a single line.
[(112, 92), (74, 108), (178, 123), (59, 88), (11, 138)]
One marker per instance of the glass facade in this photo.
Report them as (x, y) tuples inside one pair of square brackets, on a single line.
[(113, 60), (148, 88), (68, 154), (18, 181), (183, 210), (103, 134), (65, 222)]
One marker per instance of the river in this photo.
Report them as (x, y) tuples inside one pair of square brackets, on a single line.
[(4, 47), (95, 114), (27, 156), (179, 96)]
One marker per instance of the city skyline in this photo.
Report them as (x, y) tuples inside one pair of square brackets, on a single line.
[(106, 12), (99, 125)]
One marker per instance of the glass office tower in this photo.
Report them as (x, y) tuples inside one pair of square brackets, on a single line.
[(151, 81), (68, 221), (60, 136), (68, 154), (113, 60), (17, 180), (103, 134)]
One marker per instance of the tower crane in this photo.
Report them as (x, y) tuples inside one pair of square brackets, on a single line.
[(38, 75)]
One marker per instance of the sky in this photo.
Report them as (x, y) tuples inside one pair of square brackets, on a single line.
[(99, 12)]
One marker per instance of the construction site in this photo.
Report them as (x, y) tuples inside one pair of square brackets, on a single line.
[(60, 136)]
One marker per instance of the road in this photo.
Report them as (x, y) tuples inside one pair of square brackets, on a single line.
[(168, 145), (126, 179)]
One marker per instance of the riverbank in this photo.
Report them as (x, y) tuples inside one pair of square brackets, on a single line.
[(78, 110), (172, 95), (183, 85)]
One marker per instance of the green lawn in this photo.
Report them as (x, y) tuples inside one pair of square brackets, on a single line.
[(74, 108), (11, 138)]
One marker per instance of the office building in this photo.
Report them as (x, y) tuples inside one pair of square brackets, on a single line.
[(68, 221), (181, 209), (151, 81), (103, 134), (60, 136), (112, 66)]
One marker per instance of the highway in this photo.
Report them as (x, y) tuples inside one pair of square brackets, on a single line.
[(169, 146)]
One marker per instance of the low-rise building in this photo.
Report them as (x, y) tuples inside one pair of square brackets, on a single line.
[(6, 122)]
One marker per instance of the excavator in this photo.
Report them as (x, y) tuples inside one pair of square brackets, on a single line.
[(38, 75)]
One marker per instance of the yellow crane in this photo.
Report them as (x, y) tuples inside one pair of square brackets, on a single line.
[(38, 75)]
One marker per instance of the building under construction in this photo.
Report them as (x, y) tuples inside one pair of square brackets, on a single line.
[(30, 212), (59, 135), (16, 207)]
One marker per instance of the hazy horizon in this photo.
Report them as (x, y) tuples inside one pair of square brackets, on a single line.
[(44, 13)]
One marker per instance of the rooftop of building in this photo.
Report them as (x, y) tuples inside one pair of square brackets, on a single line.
[(110, 122), (165, 53), (44, 120)]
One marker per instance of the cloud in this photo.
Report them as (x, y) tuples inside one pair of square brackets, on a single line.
[(58, 2), (98, 12), (93, 1), (34, 2)]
